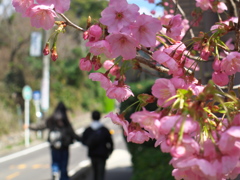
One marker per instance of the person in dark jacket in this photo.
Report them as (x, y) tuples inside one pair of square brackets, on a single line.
[(100, 145), (60, 136)]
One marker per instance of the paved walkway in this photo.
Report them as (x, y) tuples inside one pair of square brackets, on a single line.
[(118, 167)]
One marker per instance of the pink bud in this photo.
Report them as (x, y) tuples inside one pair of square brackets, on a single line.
[(54, 54), (46, 49)]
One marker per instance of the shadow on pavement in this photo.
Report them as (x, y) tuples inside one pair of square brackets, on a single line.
[(119, 173)]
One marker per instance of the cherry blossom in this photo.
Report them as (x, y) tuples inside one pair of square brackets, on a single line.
[(119, 91), (203, 4), (42, 16), (122, 45), (198, 124), (102, 78), (100, 47), (60, 5), (119, 120), (163, 89), (145, 29), (231, 63), (119, 14), (150, 121), (85, 64), (136, 134), (21, 6), (94, 33)]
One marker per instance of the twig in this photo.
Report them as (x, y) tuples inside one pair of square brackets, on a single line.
[(183, 14), (195, 58), (150, 64), (70, 23)]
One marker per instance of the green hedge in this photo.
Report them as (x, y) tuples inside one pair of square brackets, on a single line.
[(148, 162)]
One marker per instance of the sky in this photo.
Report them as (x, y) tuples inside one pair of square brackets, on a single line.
[(146, 7)]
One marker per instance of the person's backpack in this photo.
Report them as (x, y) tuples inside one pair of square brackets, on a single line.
[(60, 138), (94, 139), (55, 138)]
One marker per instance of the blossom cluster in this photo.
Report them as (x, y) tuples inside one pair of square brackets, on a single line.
[(199, 125)]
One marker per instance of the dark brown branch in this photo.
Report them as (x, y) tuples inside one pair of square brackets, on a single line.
[(150, 64)]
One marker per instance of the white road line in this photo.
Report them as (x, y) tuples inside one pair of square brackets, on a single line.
[(24, 152), (33, 149)]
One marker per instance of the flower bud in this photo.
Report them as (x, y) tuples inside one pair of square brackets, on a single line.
[(89, 21), (54, 54), (46, 49)]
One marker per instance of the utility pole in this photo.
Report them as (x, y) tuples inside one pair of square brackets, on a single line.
[(45, 84)]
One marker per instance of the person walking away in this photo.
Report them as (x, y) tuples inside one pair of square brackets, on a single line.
[(100, 145), (61, 135)]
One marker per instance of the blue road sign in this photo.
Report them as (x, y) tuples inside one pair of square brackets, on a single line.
[(36, 95)]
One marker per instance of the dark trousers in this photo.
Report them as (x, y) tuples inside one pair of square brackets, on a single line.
[(98, 165), (60, 162)]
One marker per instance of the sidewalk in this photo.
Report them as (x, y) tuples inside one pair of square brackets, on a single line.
[(118, 167)]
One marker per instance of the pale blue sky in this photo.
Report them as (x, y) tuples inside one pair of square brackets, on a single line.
[(146, 7)]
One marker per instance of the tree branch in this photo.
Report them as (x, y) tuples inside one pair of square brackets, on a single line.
[(184, 15), (150, 64), (70, 23)]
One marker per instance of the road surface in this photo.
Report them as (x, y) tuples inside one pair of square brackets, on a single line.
[(34, 163)]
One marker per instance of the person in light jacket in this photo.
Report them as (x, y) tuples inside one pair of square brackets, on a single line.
[(100, 145)]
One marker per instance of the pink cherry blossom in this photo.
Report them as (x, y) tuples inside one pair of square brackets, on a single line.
[(177, 121), (112, 68), (172, 57), (236, 120), (60, 5), (102, 78), (175, 27), (165, 59), (145, 29), (163, 89), (199, 167), (231, 63), (179, 83), (136, 134), (119, 14), (85, 64), (119, 91), (195, 88), (216, 65), (223, 24), (220, 7), (94, 33), (21, 6), (205, 53), (184, 149), (119, 120), (203, 4), (148, 120), (229, 142), (122, 45), (220, 78), (41, 16), (100, 47), (96, 63)]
